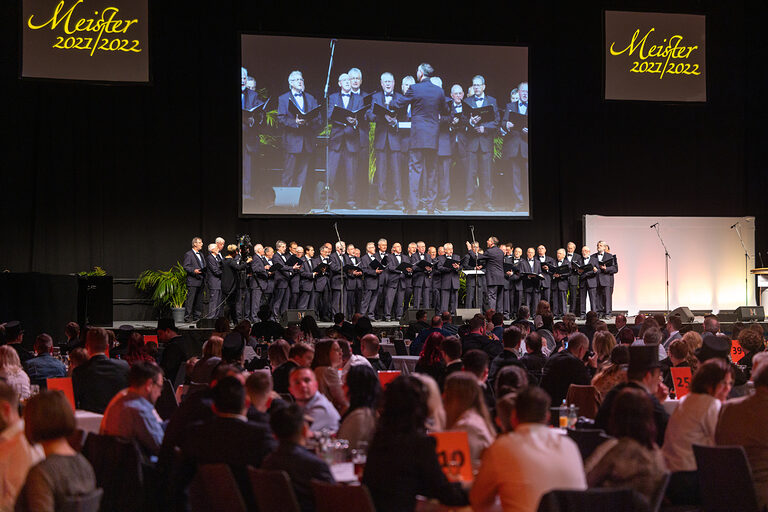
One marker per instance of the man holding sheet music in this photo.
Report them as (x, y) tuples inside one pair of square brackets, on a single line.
[(344, 144), (607, 266), (515, 151), (483, 121), (448, 266), (398, 267), (372, 270), (284, 265), (321, 271), (298, 116), (386, 144), (530, 274), (560, 270), (587, 269)]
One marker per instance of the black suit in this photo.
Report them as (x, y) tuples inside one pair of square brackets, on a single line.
[(343, 149), (354, 287), (495, 278), (96, 381), (395, 286), (298, 140), (588, 286), (370, 286), (451, 151), (322, 293), (213, 276), (282, 294), (175, 353), (230, 286), (473, 282), (257, 284), (573, 285), (336, 262), (562, 370), (306, 285), (421, 285), (193, 307), (605, 282), (251, 129), (479, 155), (530, 284), (514, 155), (302, 467), (558, 289), (546, 283), (449, 283), (386, 144), (515, 287)]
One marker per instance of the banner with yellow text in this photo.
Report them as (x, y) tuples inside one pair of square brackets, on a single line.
[(101, 40), (655, 56)]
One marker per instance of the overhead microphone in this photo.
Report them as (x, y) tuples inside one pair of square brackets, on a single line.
[(654, 225), (734, 225)]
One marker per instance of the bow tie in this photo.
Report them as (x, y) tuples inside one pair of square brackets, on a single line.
[(524, 103), (297, 94), (345, 94), (387, 94), (479, 98)]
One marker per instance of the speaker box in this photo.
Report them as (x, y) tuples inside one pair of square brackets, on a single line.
[(468, 312), (726, 315), (206, 323), (294, 316), (750, 313), (410, 316), (94, 301), (684, 313)]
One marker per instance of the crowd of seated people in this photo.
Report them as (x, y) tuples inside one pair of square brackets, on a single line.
[(498, 384)]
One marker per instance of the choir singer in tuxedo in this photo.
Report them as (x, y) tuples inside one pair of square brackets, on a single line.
[(194, 265), (588, 282), (514, 153), (494, 274), (451, 149), (531, 286), (386, 144), (298, 133), (449, 279), (559, 287), (608, 266), (395, 283), (573, 280), (353, 282), (480, 149), (344, 144), (427, 102), (370, 281)]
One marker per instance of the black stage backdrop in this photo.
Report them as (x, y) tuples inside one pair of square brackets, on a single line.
[(124, 176)]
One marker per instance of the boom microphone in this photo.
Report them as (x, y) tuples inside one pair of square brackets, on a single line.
[(654, 225), (734, 225)]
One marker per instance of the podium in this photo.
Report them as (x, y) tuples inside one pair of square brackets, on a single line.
[(761, 285)]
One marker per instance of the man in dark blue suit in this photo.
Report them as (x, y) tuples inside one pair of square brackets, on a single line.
[(480, 149), (213, 278), (370, 282), (281, 295), (531, 285), (449, 279), (588, 282), (395, 284), (494, 274), (353, 282), (298, 134), (608, 265), (514, 154), (559, 287), (451, 148), (259, 280), (321, 299), (344, 144), (251, 124), (421, 285), (194, 265), (427, 102), (363, 130), (386, 143), (336, 261), (546, 262)]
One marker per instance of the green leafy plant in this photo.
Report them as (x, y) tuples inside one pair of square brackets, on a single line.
[(498, 144), (97, 271), (371, 154), (168, 287)]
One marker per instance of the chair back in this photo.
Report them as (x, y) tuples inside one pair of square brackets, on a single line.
[(273, 490), (588, 440), (117, 465), (400, 348), (586, 398), (725, 479), (660, 492), (83, 502), (77, 439), (335, 497), (166, 403), (215, 488), (594, 500)]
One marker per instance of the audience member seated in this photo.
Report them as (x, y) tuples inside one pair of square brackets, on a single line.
[(49, 421), (131, 413), (229, 437), (359, 422), (719, 346), (560, 334), (644, 373), (77, 357), (380, 360), (345, 329), (534, 359), (476, 363), (402, 462), (614, 372), (435, 410), (277, 353), (678, 355), (266, 328), (510, 354), (465, 410), (326, 365), (12, 372), (674, 323), (221, 327), (477, 339), (751, 341), (451, 351), (449, 328), (742, 422), (693, 339), (17, 455), (418, 343), (348, 359), (100, 378), (523, 465), (568, 367), (177, 348), (602, 343), (546, 331), (44, 365), (431, 359), (136, 350), (72, 332), (261, 398), (626, 336), (14, 337), (203, 369), (303, 388), (415, 328), (309, 330), (632, 458), (299, 355), (511, 379), (497, 320), (293, 457)]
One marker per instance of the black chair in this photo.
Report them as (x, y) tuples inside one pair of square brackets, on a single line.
[(659, 493), (594, 500), (336, 497), (214, 488), (588, 440), (725, 479), (83, 502), (117, 464), (166, 403), (273, 490), (400, 348)]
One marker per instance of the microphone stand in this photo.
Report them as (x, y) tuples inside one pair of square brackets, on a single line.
[(667, 257), (343, 305), (746, 264), (328, 141), (477, 277)]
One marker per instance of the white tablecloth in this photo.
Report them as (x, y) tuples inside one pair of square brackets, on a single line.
[(405, 364), (88, 421), (670, 405)]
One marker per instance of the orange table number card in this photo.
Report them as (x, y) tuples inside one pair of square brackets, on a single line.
[(453, 454), (681, 376), (63, 384), (150, 337), (736, 351), (386, 377)]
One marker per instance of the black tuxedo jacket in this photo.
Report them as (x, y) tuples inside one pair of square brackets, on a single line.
[(385, 135), (482, 141), (190, 264), (427, 103), (297, 139), (515, 141), (342, 134), (494, 266), (96, 381)]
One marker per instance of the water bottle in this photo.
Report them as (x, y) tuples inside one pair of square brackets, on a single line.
[(572, 416), (563, 415)]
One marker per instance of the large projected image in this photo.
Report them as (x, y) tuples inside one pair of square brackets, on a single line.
[(382, 128)]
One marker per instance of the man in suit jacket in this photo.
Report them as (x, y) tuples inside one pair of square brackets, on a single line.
[(480, 149), (258, 284), (194, 265), (176, 349), (573, 280), (451, 150), (231, 278), (363, 131), (386, 144), (514, 154), (228, 437), (344, 144), (306, 280), (494, 274), (531, 285), (515, 292), (213, 277), (322, 290), (251, 128), (587, 282), (281, 297), (336, 261), (449, 279), (567, 367), (371, 278), (382, 256), (298, 134), (427, 102), (546, 263), (559, 287), (395, 283), (607, 266), (421, 285), (475, 283), (353, 282), (96, 381)]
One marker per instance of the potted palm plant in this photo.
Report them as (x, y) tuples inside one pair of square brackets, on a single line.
[(168, 289)]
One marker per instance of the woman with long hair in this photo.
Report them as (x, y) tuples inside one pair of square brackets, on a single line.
[(614, 372), (465, 410), (431, 358), (137, 350), (603, 343), (326, 364), (12, 372), (203, 369), (309, 330), (362, 388)]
